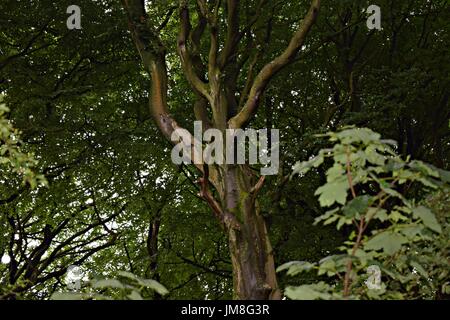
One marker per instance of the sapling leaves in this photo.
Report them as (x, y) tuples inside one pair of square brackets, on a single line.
[(365, 186)]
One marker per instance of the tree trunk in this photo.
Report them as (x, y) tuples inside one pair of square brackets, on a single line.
[(251, 253), (254, 275)]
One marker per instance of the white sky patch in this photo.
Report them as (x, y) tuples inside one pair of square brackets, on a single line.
[(33, 243), (159, 180), (6, 259), (112, 225), (74, 204)]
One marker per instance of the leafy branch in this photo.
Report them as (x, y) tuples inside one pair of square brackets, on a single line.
[(365, 183)]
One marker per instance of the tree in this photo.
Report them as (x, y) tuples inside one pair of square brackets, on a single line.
[(80, 100), (235, 206)]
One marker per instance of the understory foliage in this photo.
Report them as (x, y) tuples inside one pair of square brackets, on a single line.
[(395, 212), (12, 157), (127, 286)]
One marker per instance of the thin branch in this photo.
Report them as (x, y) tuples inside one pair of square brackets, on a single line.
[(349, 174), (185, 55), (166, 19), (273, 67)]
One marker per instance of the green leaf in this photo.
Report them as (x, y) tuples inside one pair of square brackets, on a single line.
[(295, 267), (446, 288), (127, 274), (394, 164), (356, 206), (388, 241), (363, 135), (427, 217), (155, 285), (328, 217), (342, 221), (308, 292), (304, 292), (444, 175), (108, 283), (135, 295), (3, 109), (412, 230), (419, 269), (397, 216), (335, 172), (305, 166), (332, 192), (373, 156), (148, 283), (428, 183), (424, 168), (377, 213), (67, 296), (327, 266)]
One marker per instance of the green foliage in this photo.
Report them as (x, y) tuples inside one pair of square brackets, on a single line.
[(11, 154), (80, 100), (127, 287), (369, 187)]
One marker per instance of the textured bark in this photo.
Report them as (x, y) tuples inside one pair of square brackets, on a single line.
[(254, 275), (236, 206)]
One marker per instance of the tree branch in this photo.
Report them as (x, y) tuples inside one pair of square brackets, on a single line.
[(233, 35), (197, 84), (273, 67), (152, 53)]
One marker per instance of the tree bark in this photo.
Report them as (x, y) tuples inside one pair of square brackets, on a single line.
[(235, 205), (254, 276)]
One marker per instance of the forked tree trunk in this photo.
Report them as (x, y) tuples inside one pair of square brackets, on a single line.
[(237, 209)]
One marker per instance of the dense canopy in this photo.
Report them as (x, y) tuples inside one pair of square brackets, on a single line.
[(86, 177)]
